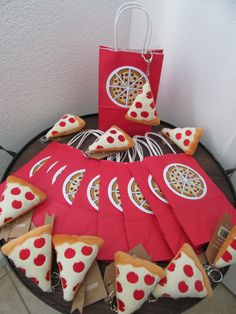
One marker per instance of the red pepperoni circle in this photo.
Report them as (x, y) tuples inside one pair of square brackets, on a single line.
[(138, 294), (35, 280), (69, 253), (54, 132), (227, 257), (133, 114), (233, 244), (72, 120), (63, 283), (121, 305), (0, 210), (149, 280), (186, 142), (188, 132), (39, 260), (62, 124), (183, 287), (149, 95), (64, 117), (15, 191), (22, 270), (100, 147), (48, 276), (118, 287), (198, 285), (7, 219), (87, 250), (2, 198), (163, 281), (38, 243), (16, 204), (138, 105), (60, 266), (24, 254), (144, 114), (113, 131), (178, 136), (121, 138), (188, 270), (171, 267), (78, 267), (110, 139), (152, 105), (132, 277), (29, 196), (155, 113)]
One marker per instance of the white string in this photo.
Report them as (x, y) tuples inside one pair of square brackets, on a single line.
[(138, 140), (149, 140), (155, 147), (83, 135)]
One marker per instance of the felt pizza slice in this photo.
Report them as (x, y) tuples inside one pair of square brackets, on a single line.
[(32, 254), (18, 197), (185, 277), (75, 255), (68, 124), (113, 139), (186, 139), (143, 109), (135, 280), (227, 253)]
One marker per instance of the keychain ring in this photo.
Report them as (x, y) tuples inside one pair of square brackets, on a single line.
[(148, 60)]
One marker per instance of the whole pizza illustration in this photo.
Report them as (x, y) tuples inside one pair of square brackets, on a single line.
[(137, 198), (93, 192), (124, 84), (114, 194), (38, 165), (155, 189), (71, 185), (184, 181)]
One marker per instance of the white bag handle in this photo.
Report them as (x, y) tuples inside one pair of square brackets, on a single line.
[(132, 5), (154, 145)]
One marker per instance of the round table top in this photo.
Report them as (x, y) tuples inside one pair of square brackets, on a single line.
[(162, 306)]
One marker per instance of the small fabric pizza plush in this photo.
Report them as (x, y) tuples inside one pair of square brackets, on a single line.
[(186, 139), (113, 139), (143, 109), (18, 197), (75, 255), (135, 280), (32, 254), (185, 277), (68, 124), (227, 253)]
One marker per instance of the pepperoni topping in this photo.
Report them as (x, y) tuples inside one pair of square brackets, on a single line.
[(144, 114), (100, 147), (188, 270), (182, 286), (62, 124), (39, 260), (38, 243), (178, 256), (149, 280), (15, 191), (63, 283), (171, 267), (178, 136), (133, 114), (113, 131), (155, 113), (121, 138), (35, 280), (78, 267), (233, 245), (87, 250), (24, 254), (188, 132), (72, 120), (54, 132), (152, 105), (0, 210), (60, 266), (132, 277), (198, 286), (110, 139), (16, 204), (138, 294), (227, 257), (64, 117), (163, 281), (22, 270), (121, 305), (118, 287), (2, 197), (69, 253), (29, 196), (7, 219), (149, 95), (186, 142), (48, 276), (138, 105)]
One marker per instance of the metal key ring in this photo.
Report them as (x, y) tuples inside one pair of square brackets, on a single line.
[(148, 60), (214, 274)]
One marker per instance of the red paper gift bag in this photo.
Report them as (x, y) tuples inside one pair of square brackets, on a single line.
[(197, 202), (122, 73), (140, 222), (169, 226), (110, 223)]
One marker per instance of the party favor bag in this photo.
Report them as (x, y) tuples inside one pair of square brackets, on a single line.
[(110, 223), (197, 202), (140, 222), (122, 74)]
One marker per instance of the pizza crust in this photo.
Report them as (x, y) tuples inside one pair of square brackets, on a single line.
[(65, 238), (155, 121), (193, 146)]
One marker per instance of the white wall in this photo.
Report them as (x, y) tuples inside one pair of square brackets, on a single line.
[(198, 83)]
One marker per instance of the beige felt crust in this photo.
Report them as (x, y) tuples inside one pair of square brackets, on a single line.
[(122, 258), (65, 238), (39, 193), (187, 249), (82, 123), (224, 246), (10, 246), (193, 146), (155, 121)]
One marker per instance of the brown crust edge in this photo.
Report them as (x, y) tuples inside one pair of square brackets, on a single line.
[(226, 243), (193, 146), (66, 238), (155, 121), (37, 191), (122, 258), (9, 247)]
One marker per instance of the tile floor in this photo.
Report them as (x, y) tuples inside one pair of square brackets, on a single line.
[(16, 299)]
